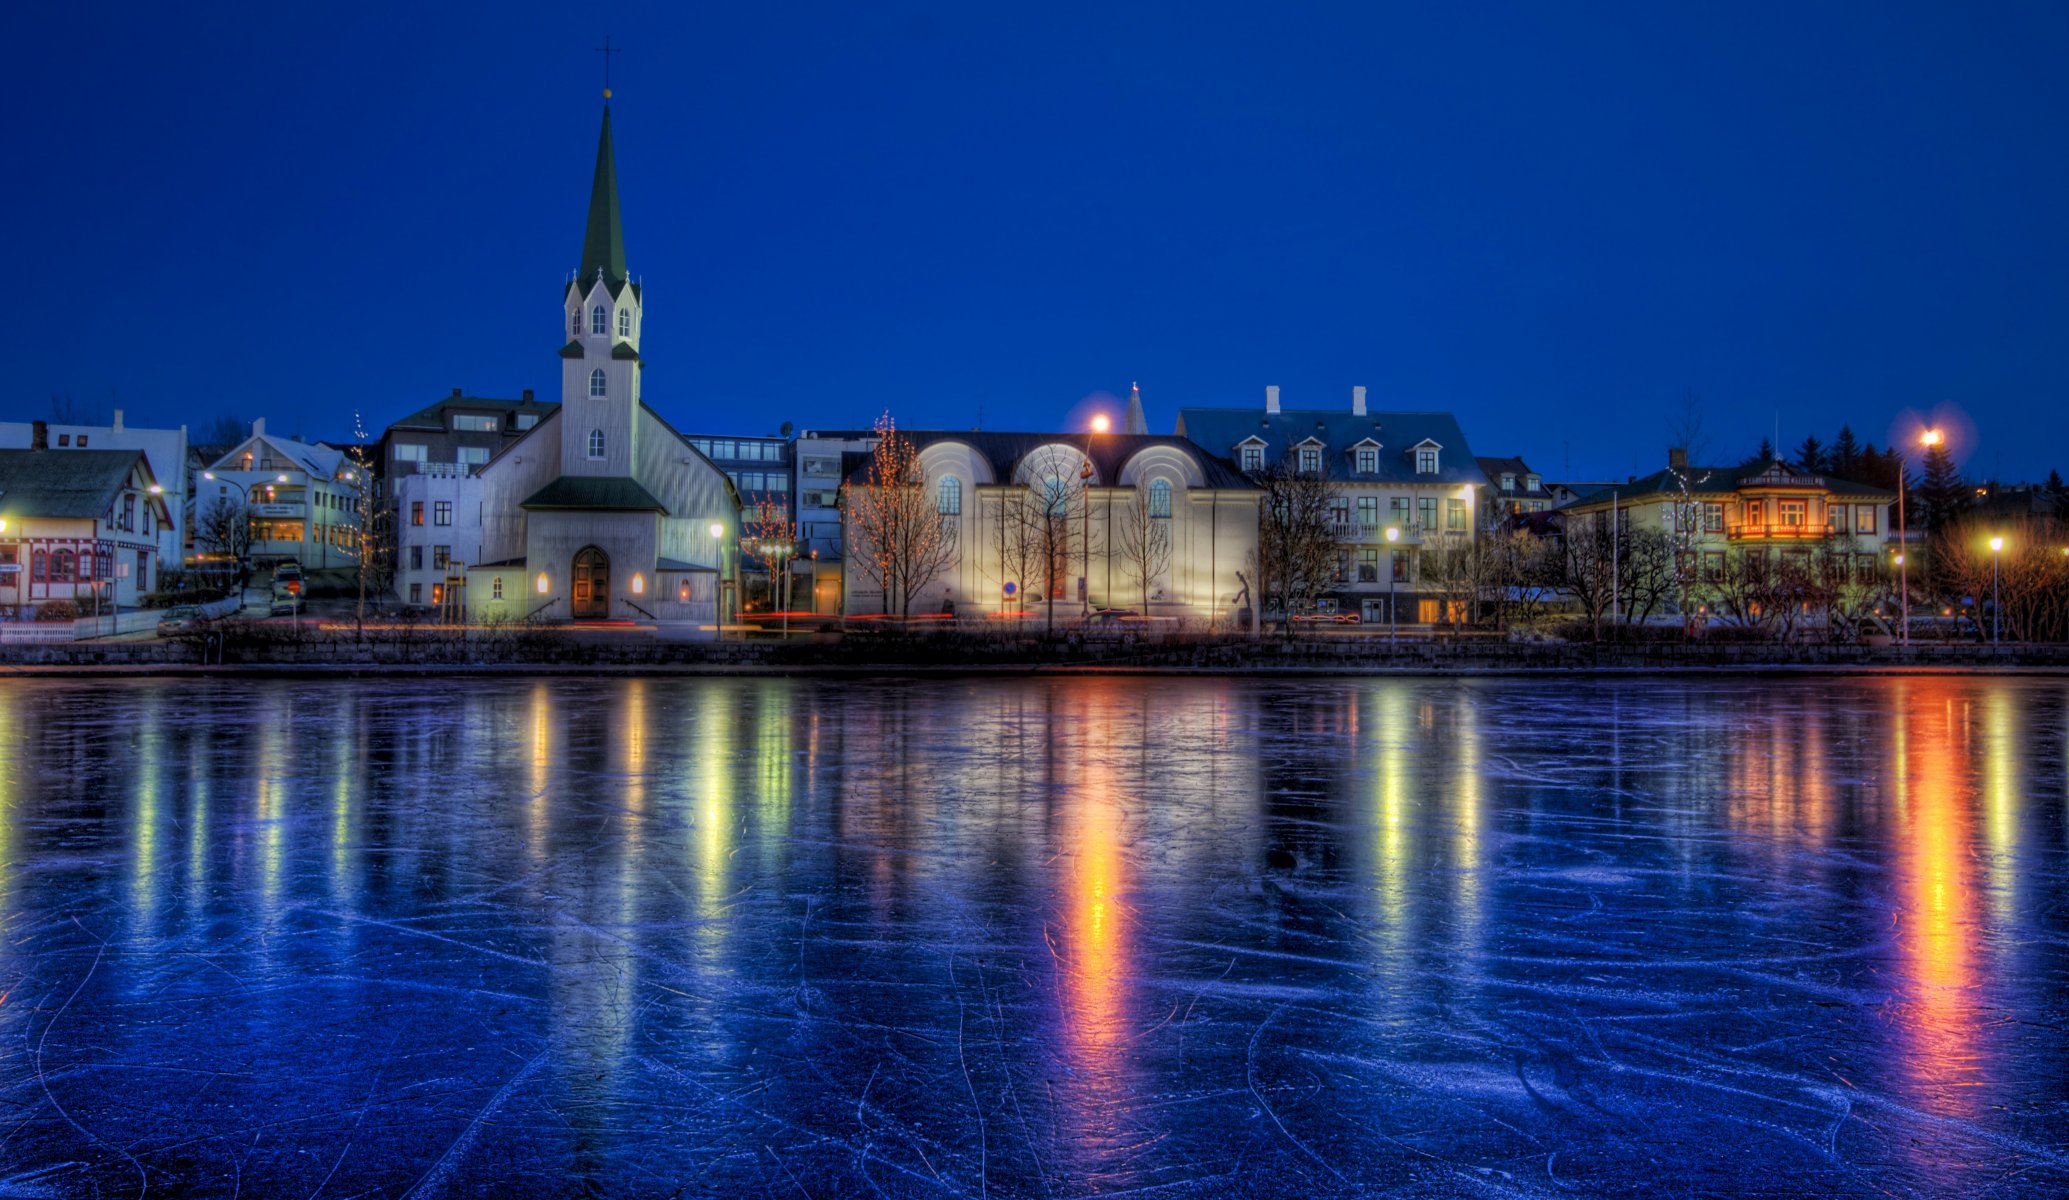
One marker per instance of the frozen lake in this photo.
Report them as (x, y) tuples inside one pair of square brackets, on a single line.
[(1043, 938)]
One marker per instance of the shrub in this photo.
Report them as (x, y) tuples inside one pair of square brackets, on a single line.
[(57, 610)]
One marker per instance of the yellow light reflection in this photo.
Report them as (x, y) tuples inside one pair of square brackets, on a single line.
[(1938, 921)]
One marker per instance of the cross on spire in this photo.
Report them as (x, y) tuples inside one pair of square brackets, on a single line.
[(607, 50)]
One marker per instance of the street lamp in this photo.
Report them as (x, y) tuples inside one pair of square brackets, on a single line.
[(1996, 603), (1928, 439), (1100, 424), (1393, 535)]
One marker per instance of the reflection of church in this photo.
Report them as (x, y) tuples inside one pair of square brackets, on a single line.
[(602, 511)]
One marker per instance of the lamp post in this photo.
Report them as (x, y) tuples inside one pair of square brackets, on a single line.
[(1393, 535), (718, 532), (1996, 604), (1928, 439), (1100, 424)]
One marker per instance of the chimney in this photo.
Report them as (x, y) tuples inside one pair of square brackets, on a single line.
[(258, 427), (528, 395), (118, 420), (39, 435), (1677, 458), (456, 393), (1358, 401), (1271, 398)]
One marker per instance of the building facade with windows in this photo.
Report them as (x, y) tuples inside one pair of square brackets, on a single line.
[(438, 532), (1038, 516), (1784, 520), (78, 525), (602, 511), (302, 501), (454, 437), (1513, 489), (1410, 473), (164, 449)]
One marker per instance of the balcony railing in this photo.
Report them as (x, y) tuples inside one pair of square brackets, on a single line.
[(1359, 531), (1777, 531), (444, 470)]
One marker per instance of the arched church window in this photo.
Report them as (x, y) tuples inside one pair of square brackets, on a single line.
[(599, 319), (1160, 498), (624, 322), (596, 383), (951, 500), (575, 323), (596, 443)]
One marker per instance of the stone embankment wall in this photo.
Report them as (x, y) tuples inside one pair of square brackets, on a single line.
[(553, 652)]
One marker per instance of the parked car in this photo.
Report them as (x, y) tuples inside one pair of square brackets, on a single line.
[(179, 619)]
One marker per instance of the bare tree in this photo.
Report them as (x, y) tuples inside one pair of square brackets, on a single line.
[(1143, 541), (898, 536), (1057, 519), (1586, 569), (1296, 547), (1645, 574), (223, 531)]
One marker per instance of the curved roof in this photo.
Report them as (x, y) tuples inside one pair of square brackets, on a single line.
[(1109, 452)]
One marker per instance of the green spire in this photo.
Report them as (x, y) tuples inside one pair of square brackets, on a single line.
[(603, 245)]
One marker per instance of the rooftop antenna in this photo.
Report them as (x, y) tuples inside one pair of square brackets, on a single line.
[(607, 51)]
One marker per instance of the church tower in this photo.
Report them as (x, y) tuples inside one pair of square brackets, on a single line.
[(600, 365)]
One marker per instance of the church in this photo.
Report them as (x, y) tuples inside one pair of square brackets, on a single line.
[(602, 511)]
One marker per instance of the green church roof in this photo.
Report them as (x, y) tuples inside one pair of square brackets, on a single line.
[(603, 244), (615, 493)]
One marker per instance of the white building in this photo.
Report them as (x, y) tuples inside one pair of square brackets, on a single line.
[(303, 501), (823, 457), (439, 534), (165, 450), (602, 511), (995, 488)]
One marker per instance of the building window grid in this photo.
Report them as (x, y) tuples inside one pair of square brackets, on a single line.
[(598, 384), (599, 320), (1160, 498)]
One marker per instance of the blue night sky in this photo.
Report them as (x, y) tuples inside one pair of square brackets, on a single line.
[(1553, 219)]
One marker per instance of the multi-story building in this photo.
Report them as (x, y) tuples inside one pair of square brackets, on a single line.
[(165, 450), (1512, 488), (823, 458), (438, 531), (303, 501), (1791, 524), (1404, 485), (78, 525)]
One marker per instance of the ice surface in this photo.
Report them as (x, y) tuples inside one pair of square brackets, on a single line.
[(1045, 938)]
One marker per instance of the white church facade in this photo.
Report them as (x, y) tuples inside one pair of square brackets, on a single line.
[(602, 511)]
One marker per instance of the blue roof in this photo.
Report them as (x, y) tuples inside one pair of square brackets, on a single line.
[(1221, 430)]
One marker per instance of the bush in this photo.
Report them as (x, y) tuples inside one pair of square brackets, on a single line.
[(57, 610)]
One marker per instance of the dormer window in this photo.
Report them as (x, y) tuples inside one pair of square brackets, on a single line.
[(624, 322), (1425, 460), (596, 380), (1508, 481), (1310, 460), (1532, 483), (596, 443), (1253, 459), (599, 320)]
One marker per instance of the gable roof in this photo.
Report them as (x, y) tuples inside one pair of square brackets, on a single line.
[(433, 416), (612, 493), (1221, 430), (318, 459), (67, 483), (1725, 481)]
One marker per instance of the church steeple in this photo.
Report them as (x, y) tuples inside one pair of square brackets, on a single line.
[(603, 244), (1134, 421)]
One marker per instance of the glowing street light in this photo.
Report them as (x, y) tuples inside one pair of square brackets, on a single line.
[(1930, 438), (1101, 423)]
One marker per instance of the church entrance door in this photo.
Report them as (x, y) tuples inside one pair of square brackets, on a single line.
[(592, 579)]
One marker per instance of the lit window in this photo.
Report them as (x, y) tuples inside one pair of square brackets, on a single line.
[(416, 512), (496, 588), (1160, 498), (596, 443), (544, 585), (951, 496), (599, 320), (624, 322), (639, 583), (1864, 518), (596, 381)]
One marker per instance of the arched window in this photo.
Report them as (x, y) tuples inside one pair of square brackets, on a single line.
[(951, 497), (575, 323), (1160, 498), (596, 382), (625, 322), (596, 443), (599, 319)]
